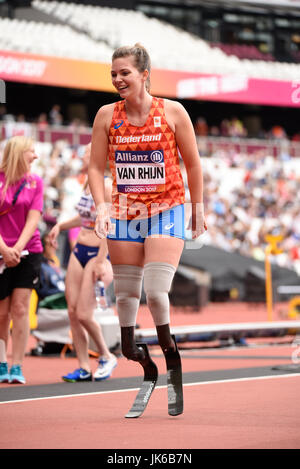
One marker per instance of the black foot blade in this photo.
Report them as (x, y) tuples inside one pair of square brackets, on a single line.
[(174, 380), (148, 385)]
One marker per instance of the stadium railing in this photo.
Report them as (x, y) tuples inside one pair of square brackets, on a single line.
[(207, 145), (276, 148), (49, 134)]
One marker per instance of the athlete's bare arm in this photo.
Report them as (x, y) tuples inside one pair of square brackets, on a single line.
[(99, 153), (181, 124)]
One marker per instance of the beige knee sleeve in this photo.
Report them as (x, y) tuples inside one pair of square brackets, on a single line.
[(158, 278), (128, 287)]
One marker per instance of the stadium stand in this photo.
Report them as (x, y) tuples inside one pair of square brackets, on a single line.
[(249, 193), (92, 32), (243, 51), (50, 39)]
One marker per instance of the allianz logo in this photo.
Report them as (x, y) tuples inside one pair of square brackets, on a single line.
[(156, 156)]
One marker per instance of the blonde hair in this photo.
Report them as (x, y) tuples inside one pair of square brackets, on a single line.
[(141, 58), (13, 162)]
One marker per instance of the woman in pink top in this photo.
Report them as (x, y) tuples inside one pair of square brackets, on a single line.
[(21, 204)]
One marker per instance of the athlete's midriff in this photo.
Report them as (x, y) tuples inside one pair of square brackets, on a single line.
[(144, 163)]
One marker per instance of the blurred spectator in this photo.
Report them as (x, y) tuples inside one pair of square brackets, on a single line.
[(51, 276), (21, 195), (236, 128), (201, 127), (214, 131), (42, 121), (224, 128), (16, 126), (255, 196), (55, 116), (2, 112), (296, 137), (277, 132), (87, 264), (77, 125), (22, 127)]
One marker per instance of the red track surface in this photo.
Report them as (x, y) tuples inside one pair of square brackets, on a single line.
[(252, 414), (248, 413)]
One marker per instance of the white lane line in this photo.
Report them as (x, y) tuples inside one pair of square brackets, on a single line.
[(201, 383)]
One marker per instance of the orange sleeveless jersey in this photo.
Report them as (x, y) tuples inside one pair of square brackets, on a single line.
[(144, 163)]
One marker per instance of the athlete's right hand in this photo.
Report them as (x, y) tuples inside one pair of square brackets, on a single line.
[(53, 234), (197, 221), (11, 257), (103, 224)]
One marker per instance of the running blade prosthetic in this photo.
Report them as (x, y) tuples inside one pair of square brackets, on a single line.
[(174, 381), (148, 385)]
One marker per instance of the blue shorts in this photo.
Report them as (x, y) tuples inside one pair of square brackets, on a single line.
[(85, 253), (169, 223)]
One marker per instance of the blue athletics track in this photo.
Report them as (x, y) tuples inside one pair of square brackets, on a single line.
[(242, 396)]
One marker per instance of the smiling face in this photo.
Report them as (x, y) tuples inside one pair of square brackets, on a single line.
[(126, 78), (29, 156), (18, 155)]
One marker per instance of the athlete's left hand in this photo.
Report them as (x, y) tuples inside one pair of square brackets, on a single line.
[(99, 270), (103, 224), (197, 221)]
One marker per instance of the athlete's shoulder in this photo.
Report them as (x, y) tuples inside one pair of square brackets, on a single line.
[(105, 111), (171, 105), (175, 113), (103, 117)]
